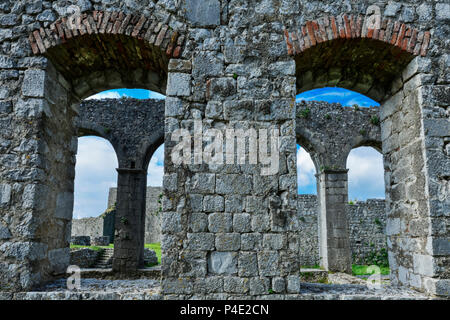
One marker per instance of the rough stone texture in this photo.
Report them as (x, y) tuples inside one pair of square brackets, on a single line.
[(84, 258), (100, 241), (95, 227), (128, 44), (80, 240), (150, 256), (367, 229)]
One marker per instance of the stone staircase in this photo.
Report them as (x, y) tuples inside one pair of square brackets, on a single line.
[(104, 259)]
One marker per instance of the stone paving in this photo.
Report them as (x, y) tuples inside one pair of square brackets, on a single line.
[(342, 288)]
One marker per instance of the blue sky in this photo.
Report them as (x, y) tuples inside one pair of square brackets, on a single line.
[(95, 171)]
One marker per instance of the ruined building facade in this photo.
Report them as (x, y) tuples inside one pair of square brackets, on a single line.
[(227, 230)]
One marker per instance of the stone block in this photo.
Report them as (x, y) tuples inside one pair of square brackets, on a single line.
[(242, 222), (268, 262), (5, 234), (278, 285), (207, 64), (201, 183), (213, 204), (5, 194), (199, 241), (293, 284), (220, 222), (259, 286), (236, 285), (251, 241), (202, 13), (233, 184), (233, 203), (274, 241), (248, 264), (198, 222), (171, 222), (214, 110), (174, 107), (33, 84), (64, 205), (221, 88), (81, 240), (228, 241), (179, 84), (223, 263)]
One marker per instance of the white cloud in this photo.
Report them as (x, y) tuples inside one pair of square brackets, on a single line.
[(95, 173), (305, 169), (105, 95), (155, 170), (366, 174), (156, 95)]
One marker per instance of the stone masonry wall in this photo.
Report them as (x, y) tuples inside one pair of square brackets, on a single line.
[(236, 66), (92, 227), (367, 222)]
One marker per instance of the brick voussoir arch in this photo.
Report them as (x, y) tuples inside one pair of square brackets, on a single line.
[(328, 28), (148, 29)]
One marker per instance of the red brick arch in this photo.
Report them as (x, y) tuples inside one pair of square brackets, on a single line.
[(143, 28), (328, 28)]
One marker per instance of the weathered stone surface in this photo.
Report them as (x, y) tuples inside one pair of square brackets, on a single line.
[(223, 262), (228, 241), (83, 258), (250, 52), (81, 240), (202, 13), (34, 83), (220, 222)]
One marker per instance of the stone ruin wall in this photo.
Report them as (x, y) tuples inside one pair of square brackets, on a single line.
[(367, 224), (237, 64)]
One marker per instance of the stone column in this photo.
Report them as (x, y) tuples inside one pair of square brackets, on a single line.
[(130, 220), (334, 238)]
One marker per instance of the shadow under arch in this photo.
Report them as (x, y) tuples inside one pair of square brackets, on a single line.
[(343, 51), (107, 50)]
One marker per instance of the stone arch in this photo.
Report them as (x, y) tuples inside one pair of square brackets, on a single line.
[(354, 52), (95, 51), (102, 50), (390, 64)]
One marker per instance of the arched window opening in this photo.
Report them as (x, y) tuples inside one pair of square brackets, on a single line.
[(366, 211), (366, 174), (95, 202), (93, 216)]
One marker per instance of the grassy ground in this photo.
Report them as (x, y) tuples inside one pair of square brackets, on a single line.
[(360, 270), (357, 270), (152, 246)]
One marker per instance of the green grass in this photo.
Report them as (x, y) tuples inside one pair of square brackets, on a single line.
[(361, 270), (153, 246), (96, 248)]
